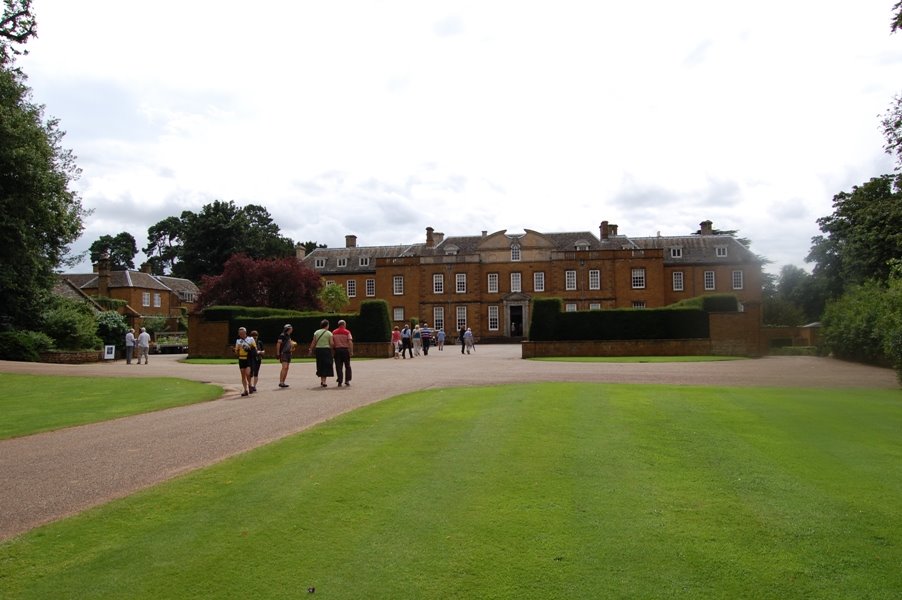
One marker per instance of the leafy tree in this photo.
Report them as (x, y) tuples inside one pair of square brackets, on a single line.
[(41, 215), (311, 246), (17, 26), (120, 248), (111, 328), (71, 324), (861, 236), (163, 245), (334, 297), (222, 229), (276, 283)]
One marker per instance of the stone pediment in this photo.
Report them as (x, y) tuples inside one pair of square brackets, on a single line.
[(516, 297)]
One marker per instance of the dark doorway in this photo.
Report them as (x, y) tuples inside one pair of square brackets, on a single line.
[(516, 321)]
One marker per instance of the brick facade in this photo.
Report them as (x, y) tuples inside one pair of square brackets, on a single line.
[(487, 282)]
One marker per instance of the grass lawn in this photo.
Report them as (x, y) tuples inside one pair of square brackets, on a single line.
[(540, 491), (636, 359), (31, 403)]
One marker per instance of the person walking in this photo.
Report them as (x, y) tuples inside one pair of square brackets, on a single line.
[(143, 345), (321, 348), (343, 347), (284, 347), (396, 340), (461, 334), (468, 338), (440, 338), (417, 340), (243, 347), (405, 341), (426, 338), (129, 346), (254, 361)]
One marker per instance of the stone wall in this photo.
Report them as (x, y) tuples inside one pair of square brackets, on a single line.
[(71, 358)]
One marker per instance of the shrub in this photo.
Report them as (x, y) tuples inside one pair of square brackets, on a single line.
[(71, 325), (374, 322), (111, 328), (545, 311), (154, 324), (23, 345)]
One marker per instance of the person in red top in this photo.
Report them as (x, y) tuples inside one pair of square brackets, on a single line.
[(343, 348)]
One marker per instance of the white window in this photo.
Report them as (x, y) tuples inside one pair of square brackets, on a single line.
[(438, 283), (709, 280), (320, 263), (330, 282), (638, 303), (461, 317), (594, 306), (460, 283), (364, 261), (145, 299), (397, 285), (737, 280), (494, 321), (570, 280), (570, 307), (676, 253), (678, 281), (398, 313), (538, 281), (493, 283), (638, 278), (594, 279), (438, 317), (515, 253), (370, 287), (157, 300), (515, 282), (342, 262), (721, 251), (352, 288)]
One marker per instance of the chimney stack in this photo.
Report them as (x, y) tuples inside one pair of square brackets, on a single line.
[(707, 228), (438, 237), (430, 239), (613, 228), (299, 251), (350, 241), (604, 230)]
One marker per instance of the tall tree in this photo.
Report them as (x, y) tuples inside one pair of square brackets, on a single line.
[(121, 250), (222, 229), (17, 26), (277, 283), (41, 215), (164, 245), (861, 237)]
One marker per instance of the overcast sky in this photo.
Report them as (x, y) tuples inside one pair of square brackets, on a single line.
[(382, 118)]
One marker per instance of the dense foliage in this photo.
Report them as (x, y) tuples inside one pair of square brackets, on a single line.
[(198, 244), (333, 297), (277, 283), (120, 249), (23, 346), (111, 328), (41, 215), (71, 325)]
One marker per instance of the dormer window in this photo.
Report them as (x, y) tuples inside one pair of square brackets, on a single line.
[(720, 251), (515, 252), (320, 263), (581, 245), (342, 262), (676, 253), (451, 250), (364, 261)]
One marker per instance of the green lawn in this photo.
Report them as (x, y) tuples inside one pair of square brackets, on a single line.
[(31, 403), (538, 491)]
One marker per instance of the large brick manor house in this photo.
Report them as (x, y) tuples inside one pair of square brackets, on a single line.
[(486, 281)]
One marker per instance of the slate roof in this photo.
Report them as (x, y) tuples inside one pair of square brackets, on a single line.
[(699, 249), (134, 279)]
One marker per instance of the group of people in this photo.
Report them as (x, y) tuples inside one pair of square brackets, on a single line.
[(332, 349), (141, 343), (416, 341)]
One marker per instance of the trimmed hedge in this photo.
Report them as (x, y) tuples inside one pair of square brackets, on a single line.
[(24, 346)]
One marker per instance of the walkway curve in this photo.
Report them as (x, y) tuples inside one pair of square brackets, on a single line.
[(48, 476)]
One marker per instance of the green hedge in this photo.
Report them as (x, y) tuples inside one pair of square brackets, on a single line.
[(549, 323), (372, 324)]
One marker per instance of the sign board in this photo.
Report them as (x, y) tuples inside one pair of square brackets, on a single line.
[(109, 352)]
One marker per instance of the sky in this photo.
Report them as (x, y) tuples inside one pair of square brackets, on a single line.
[(381, 118)]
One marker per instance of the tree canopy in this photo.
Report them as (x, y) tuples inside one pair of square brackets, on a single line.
[(861, 237), (276, 283), (42, 216), (120, 248), (17, 26), (198, 244)]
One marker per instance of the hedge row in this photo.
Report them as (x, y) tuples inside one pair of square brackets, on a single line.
[(550, 323), (372, 324)]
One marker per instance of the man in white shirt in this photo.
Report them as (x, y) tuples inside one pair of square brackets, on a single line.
[(129, 346), (143, 345)]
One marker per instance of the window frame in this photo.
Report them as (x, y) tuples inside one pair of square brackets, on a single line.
[(516, 254), (678, 286), (438, 283), (397, 285), (538, 281), (370, 288), (594, 279), (638, 279), (516, 282), (738, 282), (710, 281), (351, 288), (570, 280), (460, 283), (494, 317), (492, 283)]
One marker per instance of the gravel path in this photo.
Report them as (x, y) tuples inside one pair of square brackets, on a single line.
[(48, 476)]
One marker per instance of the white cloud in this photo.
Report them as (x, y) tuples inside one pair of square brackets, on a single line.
[(380, 119)]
